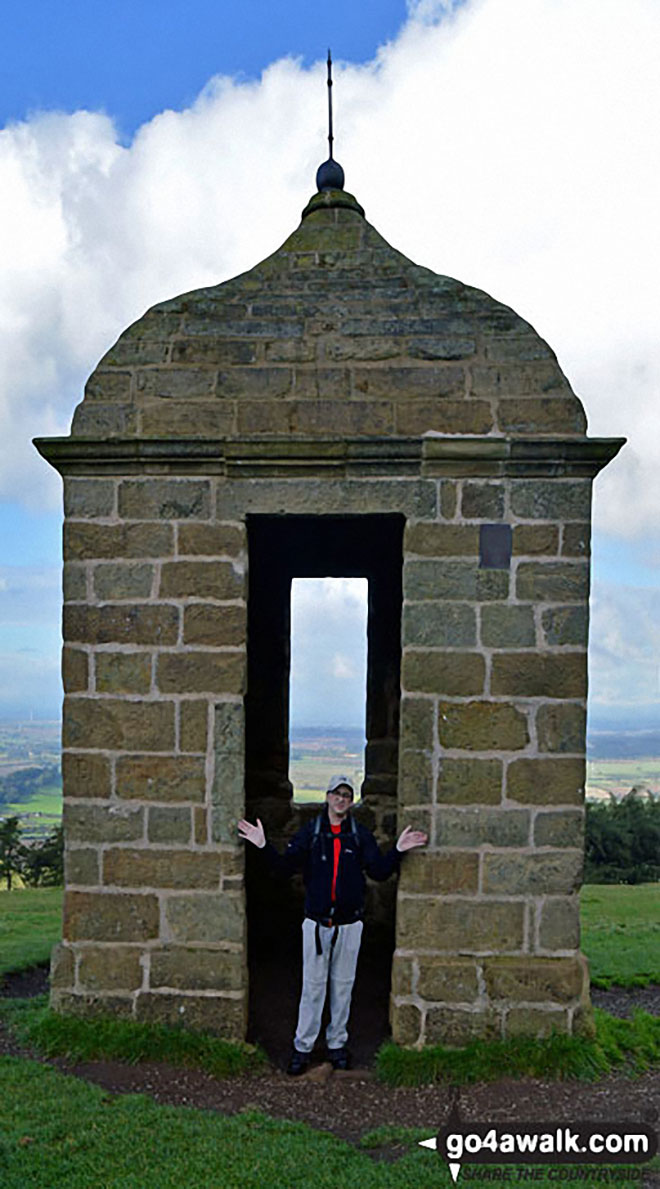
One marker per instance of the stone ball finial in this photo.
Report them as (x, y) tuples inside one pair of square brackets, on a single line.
[(330, 176)]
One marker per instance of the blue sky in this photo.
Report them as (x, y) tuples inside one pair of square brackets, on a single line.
[(146, 148)]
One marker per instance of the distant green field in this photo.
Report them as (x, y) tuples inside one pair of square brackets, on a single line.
[(30, 924), (621, 933), (619, 776)]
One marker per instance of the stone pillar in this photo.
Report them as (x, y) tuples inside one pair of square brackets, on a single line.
[(154, 673), (492, 756)]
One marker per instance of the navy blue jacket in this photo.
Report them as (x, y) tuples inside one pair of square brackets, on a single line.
[(313, 855)]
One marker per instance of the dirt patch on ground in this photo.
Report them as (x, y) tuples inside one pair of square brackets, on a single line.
[(353, 1103)]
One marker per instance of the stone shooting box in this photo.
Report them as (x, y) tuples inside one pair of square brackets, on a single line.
[(335, 410)]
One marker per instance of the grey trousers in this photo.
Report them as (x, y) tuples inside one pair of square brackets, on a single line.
[(339, 962)]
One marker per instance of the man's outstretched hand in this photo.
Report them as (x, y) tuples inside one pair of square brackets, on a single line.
[(250, 833), (409, 838)]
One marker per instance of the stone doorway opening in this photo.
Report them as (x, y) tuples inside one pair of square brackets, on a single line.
[(279, 549)]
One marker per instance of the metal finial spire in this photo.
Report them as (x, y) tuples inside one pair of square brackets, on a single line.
[(330, 175), (330, 136)]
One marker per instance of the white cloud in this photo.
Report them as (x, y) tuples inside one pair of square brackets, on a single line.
[(624, 654), (511, 143)]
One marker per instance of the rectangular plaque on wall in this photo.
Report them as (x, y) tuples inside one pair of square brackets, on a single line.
[(495, 545)]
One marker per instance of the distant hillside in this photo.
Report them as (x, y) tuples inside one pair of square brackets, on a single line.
[(623, 745)]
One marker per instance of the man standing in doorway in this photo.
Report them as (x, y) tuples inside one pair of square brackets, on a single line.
[(333, 851)]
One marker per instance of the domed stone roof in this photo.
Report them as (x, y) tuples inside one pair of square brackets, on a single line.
[(335, 335)]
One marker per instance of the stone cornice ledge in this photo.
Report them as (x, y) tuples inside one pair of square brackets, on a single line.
[(419, 456)]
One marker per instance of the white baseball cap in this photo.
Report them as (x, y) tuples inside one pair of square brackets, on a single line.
[(335, 782)]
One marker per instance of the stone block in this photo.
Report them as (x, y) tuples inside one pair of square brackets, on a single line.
[(566, 625), (137, 624), (564, 827), (482, 726), (561, 727), (264, 417), (431, 539), (123, 580), (205, 919), (443, 416), (291, 351), (455, 1028), (211, 540), (445, 980), (553, 581), (516, 346), (448, 498), (101, 823), (447, 673), (169, 824), (193, 726), (75, 670), (208, 348), (89, 498), (504, 625), (200, 823), (410, 382), (220, 1015), (454, 580), (415, 778), (229, 728), (469, 782), (482, 501), (85, 775), (61, 966), (199, 672), (402, 975), (518, 379), (153, 868), (342, 417), (415, 498), (92, 1005), (551, 499), (547, 873), (74, 582), (535, 539), (110, 968), (535, 1022), (165, 499), (559, 923), (108, 723), (439, 625), (441, 347), (81, 866), (122, 672), (201, 580), (541, 415), (110, 916), (467, 926), (228, 796), (88, 541), (197, 969), (161, 778), (416, 723), (108, 385), (472, 826), (176, 382), (533, 980), (406, 1023), (432, 873), (576, 540), (187, 419), (539, 675), (551, 781), (218, 626)]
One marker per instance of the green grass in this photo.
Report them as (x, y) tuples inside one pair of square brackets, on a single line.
[(63, 1133), (632, 1045), (621, 933), (54, 1035), (30, 924)]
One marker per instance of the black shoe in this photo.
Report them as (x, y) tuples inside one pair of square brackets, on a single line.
[(298, 1064), (339, 1057)]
